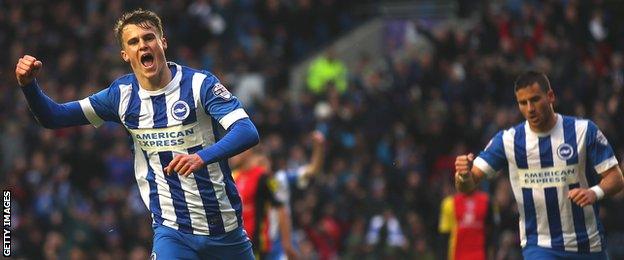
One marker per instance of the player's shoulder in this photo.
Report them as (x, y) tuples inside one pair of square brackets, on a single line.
[(127, 79), (506, 134), (512, 130), (186, 70), (208, 80), (575, 119), (579, 123), (518, 127)]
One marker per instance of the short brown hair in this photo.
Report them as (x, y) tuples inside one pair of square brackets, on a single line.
[(530, 77), (139, 17)]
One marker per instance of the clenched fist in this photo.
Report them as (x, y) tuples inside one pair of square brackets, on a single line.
[(27, 69), (463, 164)]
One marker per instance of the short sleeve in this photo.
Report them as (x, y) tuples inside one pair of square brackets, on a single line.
[(219, 103), (282, 191), (599, 152), (102, 106), (492, 159)]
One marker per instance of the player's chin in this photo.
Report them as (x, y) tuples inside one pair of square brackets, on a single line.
[(149, 71), (535, 120)]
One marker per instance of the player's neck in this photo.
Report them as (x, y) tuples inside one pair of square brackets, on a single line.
[(157, 81), (547, 126)]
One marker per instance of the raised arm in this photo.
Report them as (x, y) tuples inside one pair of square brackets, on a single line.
[(318, 155), (470, 170), (47, 112)]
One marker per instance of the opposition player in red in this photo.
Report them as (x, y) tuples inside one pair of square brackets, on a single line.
[(465, 219), (257, 190)]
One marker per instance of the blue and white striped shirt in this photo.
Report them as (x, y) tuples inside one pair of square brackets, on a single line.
[(181, 118), (543, 168)]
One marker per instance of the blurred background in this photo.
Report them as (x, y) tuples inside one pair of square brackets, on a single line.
[(398, 87)]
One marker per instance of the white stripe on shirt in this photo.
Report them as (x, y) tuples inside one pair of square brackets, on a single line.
[(89, 112), (539, 198), (228, 213)]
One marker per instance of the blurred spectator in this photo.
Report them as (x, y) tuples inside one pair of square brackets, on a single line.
[(326, 72), (384, 237)]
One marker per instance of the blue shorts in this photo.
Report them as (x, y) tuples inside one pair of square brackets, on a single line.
[(173, 244), (536, 252)]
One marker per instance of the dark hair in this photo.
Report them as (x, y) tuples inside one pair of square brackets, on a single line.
[(529, 78), (139, 17)]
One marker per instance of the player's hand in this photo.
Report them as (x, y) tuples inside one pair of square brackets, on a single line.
[(291, 253), (582, 197), (318, 138), (184, 164), (463, 165), (26, 69)]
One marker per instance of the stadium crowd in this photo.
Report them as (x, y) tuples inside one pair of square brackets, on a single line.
[(392, 134)]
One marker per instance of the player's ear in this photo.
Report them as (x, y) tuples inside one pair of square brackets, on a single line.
[(124, 56), (164, 42), (551, 96)]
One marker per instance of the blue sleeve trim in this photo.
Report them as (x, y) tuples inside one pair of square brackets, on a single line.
[(49, 113), (242, 136)]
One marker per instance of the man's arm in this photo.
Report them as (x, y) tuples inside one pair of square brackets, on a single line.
[(318, 156), (467, 176), (599, 155), (242, 136), (47, 112), (285, 229), (611, 183), (268, 187)]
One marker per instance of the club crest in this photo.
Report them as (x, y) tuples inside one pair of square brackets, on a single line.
[(565, 151), (180, 110)]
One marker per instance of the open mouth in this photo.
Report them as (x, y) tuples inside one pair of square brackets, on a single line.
[(147, 60)]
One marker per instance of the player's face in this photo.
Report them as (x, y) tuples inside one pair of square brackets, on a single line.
[(536, 107), (144, 49)]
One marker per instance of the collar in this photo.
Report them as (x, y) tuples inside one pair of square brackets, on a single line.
[(558, 125), (171, 86)]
